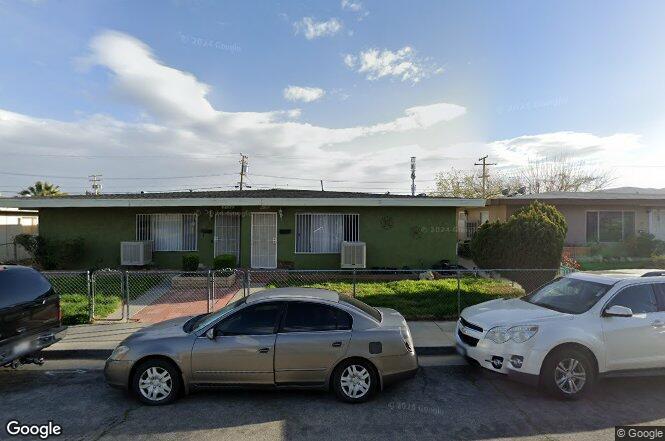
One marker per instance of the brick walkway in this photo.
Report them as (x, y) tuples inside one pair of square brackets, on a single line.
[(180, 302)]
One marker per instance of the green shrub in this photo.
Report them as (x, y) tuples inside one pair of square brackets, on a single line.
[(190, 262), (643, 245), (224, 261), (532, 238), (52, 254), (464, 250)]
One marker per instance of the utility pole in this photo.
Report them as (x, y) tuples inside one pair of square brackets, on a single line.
[(243, 172), (322, 185), (485, 175), (413, 175), (95, 183)]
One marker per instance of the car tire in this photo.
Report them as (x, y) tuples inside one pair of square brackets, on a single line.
[(355, 381), (156, 382), (568, 374)]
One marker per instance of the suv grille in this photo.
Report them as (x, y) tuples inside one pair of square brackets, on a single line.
[(470, 325), (471, 341)]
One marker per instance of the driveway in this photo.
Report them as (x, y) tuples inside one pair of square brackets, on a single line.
[(442, 402)]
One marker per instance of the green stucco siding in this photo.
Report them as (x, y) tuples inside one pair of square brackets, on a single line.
[(413, 237)]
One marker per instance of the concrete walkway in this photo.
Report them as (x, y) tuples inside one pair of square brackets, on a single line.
[(98, 340)]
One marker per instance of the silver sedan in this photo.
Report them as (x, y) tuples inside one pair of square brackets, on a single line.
[(284, 337)]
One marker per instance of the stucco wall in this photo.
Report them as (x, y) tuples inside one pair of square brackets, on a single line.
[(396, 237)]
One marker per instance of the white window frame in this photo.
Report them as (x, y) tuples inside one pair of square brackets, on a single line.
[(142, 235), (357, 232), (623, 226)]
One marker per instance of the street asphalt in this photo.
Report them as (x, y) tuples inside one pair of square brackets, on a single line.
[(446, 400)]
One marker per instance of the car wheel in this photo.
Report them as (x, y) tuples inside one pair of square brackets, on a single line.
[(355, 381), (568, 374), (156, 382)]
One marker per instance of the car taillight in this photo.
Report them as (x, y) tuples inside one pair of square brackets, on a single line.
[(406, 338)]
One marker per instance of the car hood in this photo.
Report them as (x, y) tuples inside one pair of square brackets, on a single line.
[(167, 328), (504, 312)]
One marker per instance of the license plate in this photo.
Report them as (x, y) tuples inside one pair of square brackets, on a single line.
[(461, 350)]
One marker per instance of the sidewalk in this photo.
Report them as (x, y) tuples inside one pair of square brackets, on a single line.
[(97, 341)]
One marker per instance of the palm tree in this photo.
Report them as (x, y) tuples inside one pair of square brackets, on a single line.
[(43, 189)]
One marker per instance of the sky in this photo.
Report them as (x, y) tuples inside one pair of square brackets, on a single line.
[(164, 96)]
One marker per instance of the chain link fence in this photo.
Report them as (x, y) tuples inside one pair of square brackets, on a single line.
[(155, 295)]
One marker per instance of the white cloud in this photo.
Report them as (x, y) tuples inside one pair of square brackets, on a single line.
[(350, 5), (402, 64), (314, 29), (184, 121), (304, 94), (577, 145)]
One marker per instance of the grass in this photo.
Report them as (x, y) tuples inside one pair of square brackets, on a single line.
[(423, 299), (75, 302)]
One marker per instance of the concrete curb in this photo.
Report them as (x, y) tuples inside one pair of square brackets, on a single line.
[(102, 354)]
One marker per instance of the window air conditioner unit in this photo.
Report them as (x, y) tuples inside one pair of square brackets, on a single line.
[(136, 253), (353, 255)]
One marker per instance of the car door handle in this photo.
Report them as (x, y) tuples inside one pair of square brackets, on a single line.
[(337, 344), (657, 324), (264, 350)]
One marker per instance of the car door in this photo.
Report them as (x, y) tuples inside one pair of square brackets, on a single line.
[(311, 339), (242, 351), (634, 342)]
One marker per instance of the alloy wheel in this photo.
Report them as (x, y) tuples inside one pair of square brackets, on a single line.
[(356, 381), (570, 376), (155, 383)]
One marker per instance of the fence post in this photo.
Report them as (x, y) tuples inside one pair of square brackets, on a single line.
[(91, 297), (354, 282), (459, 294), (211, 288), (248, 284), (126, 286)]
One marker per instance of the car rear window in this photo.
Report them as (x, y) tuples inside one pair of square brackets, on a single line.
[(372, 312), (20, 285)]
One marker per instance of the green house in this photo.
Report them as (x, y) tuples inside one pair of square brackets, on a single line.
[(276, 228)]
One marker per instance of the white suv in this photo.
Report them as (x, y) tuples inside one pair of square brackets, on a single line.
[(569, 332)]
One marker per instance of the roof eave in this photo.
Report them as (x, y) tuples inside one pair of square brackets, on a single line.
[(57, 202)]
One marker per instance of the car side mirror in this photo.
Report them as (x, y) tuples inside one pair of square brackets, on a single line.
[(618, 311), (210, 333)]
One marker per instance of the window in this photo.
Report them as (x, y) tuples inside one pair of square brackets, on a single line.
[(254, 320), (324, 233), (639, 298), (564, 294), (309, 317), (609, 226), (20, 285), (364, 307), (227, 234), (168, 232)]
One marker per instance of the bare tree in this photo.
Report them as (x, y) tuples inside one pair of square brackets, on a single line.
[(467, 184), (562, 174)]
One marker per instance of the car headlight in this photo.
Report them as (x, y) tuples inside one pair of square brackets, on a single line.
[(119, 352), (498, 335), (518, 334)]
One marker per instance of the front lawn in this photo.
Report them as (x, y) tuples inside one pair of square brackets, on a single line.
[(76, 307), (422, 299)]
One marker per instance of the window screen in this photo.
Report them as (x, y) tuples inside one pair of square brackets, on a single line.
[(168, 231), (324, 233)]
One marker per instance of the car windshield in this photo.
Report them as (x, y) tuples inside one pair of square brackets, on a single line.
[(201, 321), (572, 296)]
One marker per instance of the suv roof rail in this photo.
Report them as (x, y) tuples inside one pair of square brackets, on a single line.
[(654, 274)]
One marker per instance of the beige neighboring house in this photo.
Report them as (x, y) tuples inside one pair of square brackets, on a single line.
[(601, 216), (12, 223)]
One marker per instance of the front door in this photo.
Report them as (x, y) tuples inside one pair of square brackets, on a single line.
[(243, 349), (264, 240)]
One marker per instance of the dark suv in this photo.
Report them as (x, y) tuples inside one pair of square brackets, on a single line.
[(30, 318)]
